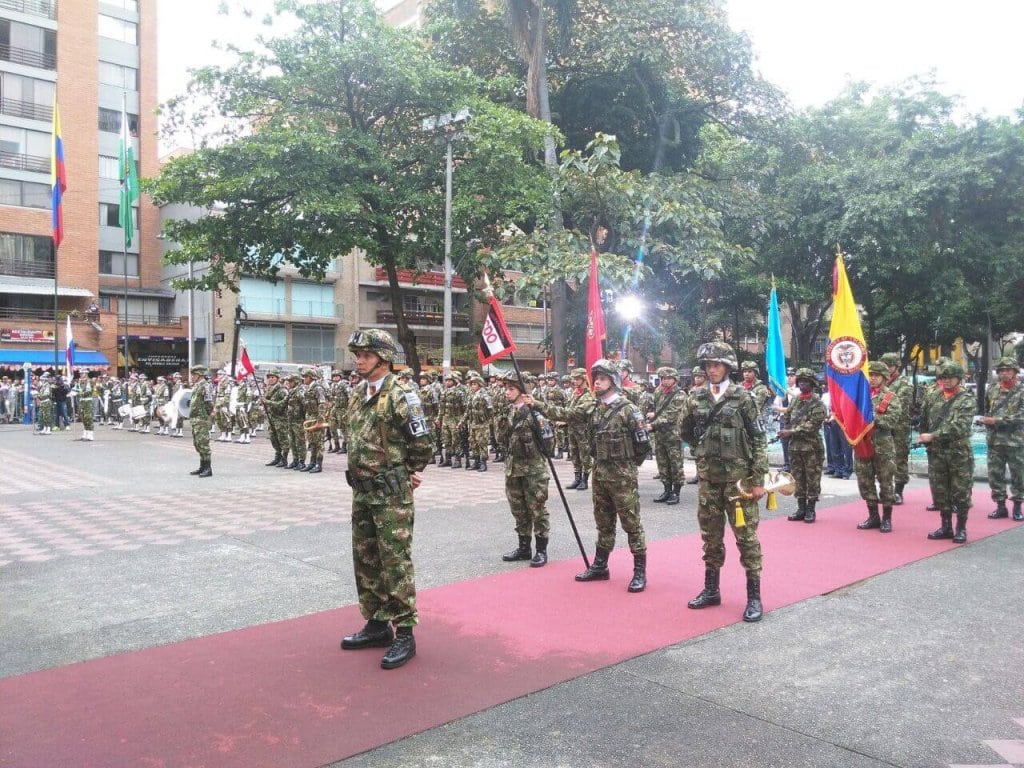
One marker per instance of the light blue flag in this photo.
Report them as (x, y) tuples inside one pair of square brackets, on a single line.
[(775, 356)]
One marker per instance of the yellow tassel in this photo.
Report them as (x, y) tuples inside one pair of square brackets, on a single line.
[(741, 521), (772, 504)]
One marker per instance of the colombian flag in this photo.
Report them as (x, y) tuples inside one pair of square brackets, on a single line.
[(58, 179), (847, 363)]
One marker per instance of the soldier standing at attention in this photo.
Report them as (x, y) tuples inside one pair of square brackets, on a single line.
[(526, 475), (200, 410), (619, 444), (804, 417), (1004, 422), (478, 421), (902, 387), (87, 391), (389, 445), (296, 416), (881, 465), (339, 405), (315, 406), (946, 417), (663, 419), (580, 439), (757, 389), (724, 426), (277, 418), (44, 403), (453, 408)]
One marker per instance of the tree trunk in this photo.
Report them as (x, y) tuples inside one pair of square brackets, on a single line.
[(405, 337)]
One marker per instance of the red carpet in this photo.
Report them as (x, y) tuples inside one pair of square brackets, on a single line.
[(283, 694)]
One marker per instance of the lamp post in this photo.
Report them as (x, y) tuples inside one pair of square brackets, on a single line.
[(450, 125), (27, 418)]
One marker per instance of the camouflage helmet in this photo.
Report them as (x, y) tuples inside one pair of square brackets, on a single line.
[(510, 379), (806, 373), (336, 372), (891, 358), (294, 378), (578, 373), (200, 369), (668, 372), (717, 352), (698, 371), (311, 371), (626, 365), (607, 368), (1007, 362), (473, 376), (275, 372), (374, 340), (749, 365), (454, 376), (566, 379), (878, 367), (950, 369)]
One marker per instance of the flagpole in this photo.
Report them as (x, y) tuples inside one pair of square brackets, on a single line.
[(56, 337), (124, 240)]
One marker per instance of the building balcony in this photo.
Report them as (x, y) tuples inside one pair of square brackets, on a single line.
[(25, 57), (432, 279), (45, 8), (152, 319), (435, 319), (26, 268), (24, 162), (297, 311), (26, 109), (23, 313)]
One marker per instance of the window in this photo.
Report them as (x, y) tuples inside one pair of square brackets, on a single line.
[(110, 122), (261, 296), (110, 215), (24, 150), (110, 168), (313, 300), (312, 344), (24, 194), (105, 303), (26, 255), (119, 76), (28, 45), (112, 263), (27, 97), (526, 334), (266, 343), (126, 5), (119, 29)]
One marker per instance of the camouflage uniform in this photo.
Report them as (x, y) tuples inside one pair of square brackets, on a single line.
[(222, 404), (804, 418), (501, 413), (1006, 442), (902, 387), (339, 405), (241, 420), (315, 406), (453, 409), (296, 416), (880, 467), (728, 440), (478, 422), (756, 388), (44, 403), (277, 419), (200, 410), (663, 418), (87, 392), (581, 399), (950, 458)]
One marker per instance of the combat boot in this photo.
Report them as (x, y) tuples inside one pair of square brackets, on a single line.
[(639, 581), (754, 610), (499, 457), (945, 530), (1017, 514), (709, 595), (575, 481), (522, 552), (1000, 512), (886, 526), (202, 465), (598, 570), (960, 537), (301, 467), (475, 466), (898, 496), (309, 467), (674, 496), (274, 461), (376, 634), (810, 514), (583, 481), (446, 459), (872, 521), (540, 559), (801, 511), (456, 461), (665, 494), (483, 466), (207, 470), (293, 465), (318, 466), (403, 649)]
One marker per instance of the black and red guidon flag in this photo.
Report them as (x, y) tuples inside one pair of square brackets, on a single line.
[(495, 340)]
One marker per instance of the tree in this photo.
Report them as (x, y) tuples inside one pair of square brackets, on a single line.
[(324, 154)]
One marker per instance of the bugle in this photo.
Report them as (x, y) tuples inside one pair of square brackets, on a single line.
[(773, 482), (312, 425)]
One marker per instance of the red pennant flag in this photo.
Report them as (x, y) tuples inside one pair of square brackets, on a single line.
[(495, 340), (245, 366), (595, 318)]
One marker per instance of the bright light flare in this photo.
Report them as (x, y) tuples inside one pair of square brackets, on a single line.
[(629, 308)]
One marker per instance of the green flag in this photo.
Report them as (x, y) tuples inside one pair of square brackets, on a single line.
[(129, 181)]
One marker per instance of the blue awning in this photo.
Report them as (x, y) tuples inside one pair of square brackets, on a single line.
[(16, 358)]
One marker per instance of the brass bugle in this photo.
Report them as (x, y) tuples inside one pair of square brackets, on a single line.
[(780, 482), (312, 425)]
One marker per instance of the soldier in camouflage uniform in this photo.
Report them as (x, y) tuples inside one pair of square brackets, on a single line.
[(1004, 423), (389, 444), (453, 409), (296, 416), (161, 396), (526, 474), (500, 419), (430, 398), (946, 417), (44, 404), (241, 419), (663, 418), (804, 418), (222, 404), (478, 421), (757, 389), (277, 418), (723, 425), (698, 378), (619, 443), (581, 399), (315, 406), (881, 465), (87, 392), (902, 386), (339, 405), (200, 410), (630, 389)]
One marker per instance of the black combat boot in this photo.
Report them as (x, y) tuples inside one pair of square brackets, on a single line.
[(598, 570), (483, 466), (376, 634), (202, 464), (1018, 515), (499, 457), (665, 494), (207, 470), (801, 511), (754, 610), (709, 595), (575, 481), (293, 465), (522, 552), (944, 531), (540, 559), (583, 481), (810, 514), (309, 467), (301, 466), (403, 649), (639, 581), (274, 461), (317, 466), (457, 461), (476, 465), (898, 496), (872, 521), (1000, 512), (283, 463), (886, 526), (446, 459), (674, 496), (471, 466), (343, 449), (960, 537)]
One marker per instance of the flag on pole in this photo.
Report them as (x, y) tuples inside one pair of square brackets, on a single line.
[(245, 366), (69, 354), (846, 361), (58, 179), (495, 340), (129, 179), (595, 317), (775, 355)]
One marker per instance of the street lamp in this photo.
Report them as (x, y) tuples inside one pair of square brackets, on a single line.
[(449, 123), (629, 307)]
